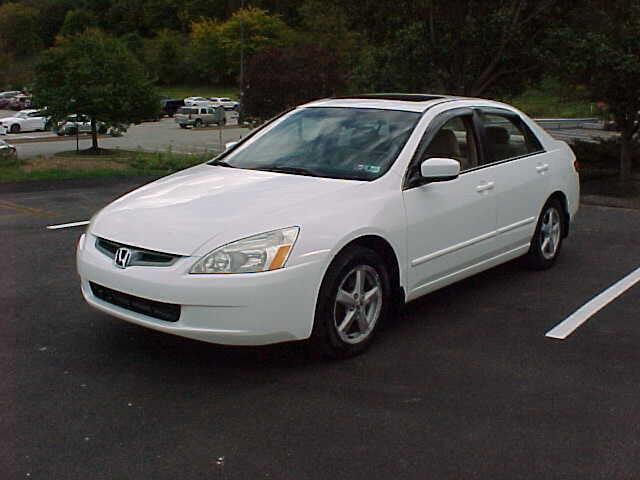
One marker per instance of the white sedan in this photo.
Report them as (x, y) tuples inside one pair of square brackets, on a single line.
[(197, 101), (25, 121), (320, 223), (224, 102)]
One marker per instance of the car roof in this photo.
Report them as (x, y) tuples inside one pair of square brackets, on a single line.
[(412, 102), (29, 110)]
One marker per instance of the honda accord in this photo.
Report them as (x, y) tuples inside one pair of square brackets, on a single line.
[(320, 223)]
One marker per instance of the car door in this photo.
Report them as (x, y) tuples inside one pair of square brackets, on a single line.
[(36, 121), (450, 224), (521, 173)]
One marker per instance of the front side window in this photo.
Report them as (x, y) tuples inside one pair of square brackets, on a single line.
[(335, 142), (507, 137), (456, 140)]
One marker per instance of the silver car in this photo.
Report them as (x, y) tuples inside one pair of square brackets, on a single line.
[(199, 116)]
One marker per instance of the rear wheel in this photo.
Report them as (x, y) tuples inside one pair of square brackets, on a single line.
[(547, 239), (198, 123), (354, 299)]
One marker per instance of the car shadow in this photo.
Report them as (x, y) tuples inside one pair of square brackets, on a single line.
[(446, 310)]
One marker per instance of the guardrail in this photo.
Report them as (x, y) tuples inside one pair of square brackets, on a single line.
[(562, 123)]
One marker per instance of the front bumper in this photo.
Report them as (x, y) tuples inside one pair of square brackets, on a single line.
[(238, 309)]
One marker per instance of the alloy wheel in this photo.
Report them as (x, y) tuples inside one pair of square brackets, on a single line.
[(550, 233), (358, 304)]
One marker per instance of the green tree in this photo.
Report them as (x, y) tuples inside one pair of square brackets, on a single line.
[(327, 25), (77, 21), (468, 47), (604, 55), (207, 57), (19, 29), (164, 56), (260, 31), (51, 15), (94, 74)]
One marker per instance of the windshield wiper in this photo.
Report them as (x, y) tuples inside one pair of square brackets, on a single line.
[(292, 170), (222, 163)]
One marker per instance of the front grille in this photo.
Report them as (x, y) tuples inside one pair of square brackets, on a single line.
[(139, 256), (169, 312)]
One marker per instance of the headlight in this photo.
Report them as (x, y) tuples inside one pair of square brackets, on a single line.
[(259, 253)]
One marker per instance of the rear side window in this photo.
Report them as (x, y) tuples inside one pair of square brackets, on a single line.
[(506, 137), (203, 110)]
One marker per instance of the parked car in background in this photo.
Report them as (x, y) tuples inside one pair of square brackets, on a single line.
[(20, 102), (224, 102), (170, 106), (5, 98), (322, 222), (7, 151), (78, 124), (200, 101), (199, 116), (26, 121)]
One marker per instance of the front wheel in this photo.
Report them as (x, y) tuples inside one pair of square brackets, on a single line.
[(547, 239), (354, 299)]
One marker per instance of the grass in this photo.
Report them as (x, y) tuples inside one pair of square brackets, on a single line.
[(553, 99), (183, 91), (109, 163)]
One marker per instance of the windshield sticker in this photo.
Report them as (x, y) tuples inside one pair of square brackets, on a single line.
[(368, 168)]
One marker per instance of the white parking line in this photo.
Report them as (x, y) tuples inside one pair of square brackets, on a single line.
[(67, 225), (577, 318)]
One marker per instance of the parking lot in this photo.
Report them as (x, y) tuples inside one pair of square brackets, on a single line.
[(149, 136), (463, 385), (166, 135)]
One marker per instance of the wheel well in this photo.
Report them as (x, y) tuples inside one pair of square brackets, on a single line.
[(562, 198), (385, 250)]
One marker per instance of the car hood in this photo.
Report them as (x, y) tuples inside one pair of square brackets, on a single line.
[(179, 213)]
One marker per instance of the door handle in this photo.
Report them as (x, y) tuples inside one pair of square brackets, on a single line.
[(542, 168), (483, 187)]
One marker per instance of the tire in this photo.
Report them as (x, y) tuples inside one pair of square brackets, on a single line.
[(15, 128), (198, 123), (547, 239), (182, 125), (358, 317)]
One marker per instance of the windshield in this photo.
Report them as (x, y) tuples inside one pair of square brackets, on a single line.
[(348, 143)]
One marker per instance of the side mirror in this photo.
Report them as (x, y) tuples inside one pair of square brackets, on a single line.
[(229, 145), (439, 169)]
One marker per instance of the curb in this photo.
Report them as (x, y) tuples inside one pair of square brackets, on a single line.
[(57, 138)]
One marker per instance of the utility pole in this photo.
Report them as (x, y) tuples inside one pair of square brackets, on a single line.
[(241, 63)]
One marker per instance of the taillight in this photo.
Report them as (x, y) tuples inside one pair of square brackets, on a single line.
[(576, 165)]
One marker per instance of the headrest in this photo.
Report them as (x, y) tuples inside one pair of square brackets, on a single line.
[(498, 135), (444, 144)]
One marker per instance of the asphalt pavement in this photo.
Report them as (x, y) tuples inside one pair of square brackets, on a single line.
[(163, 135), (463, 385)]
